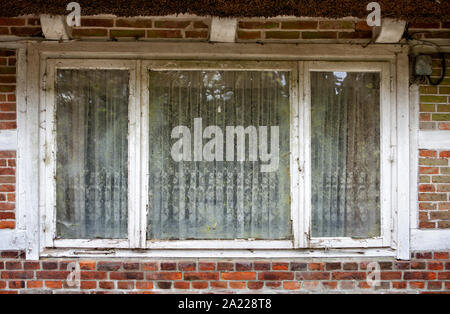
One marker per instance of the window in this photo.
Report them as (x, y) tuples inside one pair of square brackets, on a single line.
[(217, 154)]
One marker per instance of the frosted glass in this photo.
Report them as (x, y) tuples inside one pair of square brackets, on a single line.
[(345, 128), (218, 199), (92, 154)]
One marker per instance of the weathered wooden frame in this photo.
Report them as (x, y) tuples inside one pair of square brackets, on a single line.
[(39, 53)]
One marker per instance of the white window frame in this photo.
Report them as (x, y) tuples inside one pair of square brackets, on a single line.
[(32, 124), (50, 151), (383, 68), (173, 65)]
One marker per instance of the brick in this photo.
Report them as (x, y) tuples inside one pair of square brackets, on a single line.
[(31, 265), (93, 275), (237, 284), (348, 276), (26, 31), (218, 284), (88, 285), (336, 25), (7, 225), (443, 108), (276, 276), (428, 170), (35, 284), (52, 274), (150, 266), (107, 285), (164, 285), (332, 266), (319, 35), (433, 99), (109, 266), (182, 285), (294, 266), (16, 284), (258, 25), (49, 265), (316, 266), (418, 265), (291, 285), (144, 285), (435, 265), (196, 34), (399, 285), (444, 154), (200, 24), (134, 23), (201, 276), (248, 35), (444, 275), (168, 266), (131, 266), (200, 285), (90, 32), (12, 21), (441, 179), (299, 25), (225, 266), (312, 275), (172, 24), (434, 197), (426, 255), (126, 275), (444, 126), (126, 33), (427, 108), (187, 266), (355, 35), (164, 34), (13, 265), (125, 285), (164, 276), (239, 276), (441, 255), (427, 188), (440, 117), (391, 275), (419, 276), (282, 35), (416, 284), (95, 22), (87, 265), (206, 266), (441, 215), (255, 285), (243, 266)]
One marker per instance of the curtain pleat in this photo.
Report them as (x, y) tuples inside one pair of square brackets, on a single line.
[(92, 154), (345, 153), (217, 199)]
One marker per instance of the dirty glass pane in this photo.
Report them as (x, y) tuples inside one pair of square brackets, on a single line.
[(91, 174), (345, 149), (220, 197)]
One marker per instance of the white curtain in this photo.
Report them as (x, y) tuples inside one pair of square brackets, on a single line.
[(92, 153), (345, 149), (217, 199)]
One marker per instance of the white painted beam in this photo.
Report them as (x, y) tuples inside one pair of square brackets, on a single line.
[(223, 30), (430, 240), (8, 140), (54, 27), (390, 31), (434, 140)]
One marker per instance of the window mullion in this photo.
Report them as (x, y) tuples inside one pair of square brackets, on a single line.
[(134, 161)]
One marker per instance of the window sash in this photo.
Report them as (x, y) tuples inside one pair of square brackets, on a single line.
[(384, 240), (213, 65), (299, 158), (49, 81)]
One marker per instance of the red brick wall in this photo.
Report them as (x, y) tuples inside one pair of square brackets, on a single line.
[(7, 122), (434, 189), (435, 100), (426, 272)]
